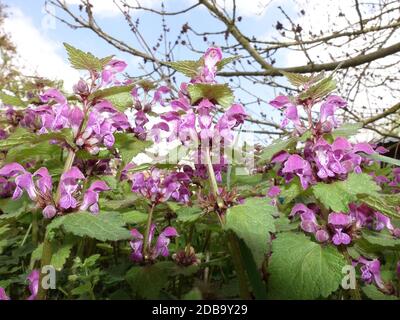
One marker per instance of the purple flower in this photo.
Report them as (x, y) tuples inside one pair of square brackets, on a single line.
[(339, 221), (53, 95), (340, 237), (160, 187), (328, 109), (322, 235), (159, 249), (300, 167), (308, 219), (69, 184), (371, 271), (49, 211), (33, 279), (3, 295), (111, 70), (273, 191), (91, 197), (280, 102)]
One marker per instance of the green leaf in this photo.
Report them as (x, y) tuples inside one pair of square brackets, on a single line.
[(382, 239), (347, 130), (104, 226), (121, 101), (225, 61), (12, 100), (105, 93), (296, 79), (147, 282), (81, 60), (385, 203), (275, 147), (27, 152), (188, 214), (217, 93), (338, 195), (21, 136), (189, 68), (253, 273), (129, 146), (373, 293), (290, 191), (302, 269), (319, 90), (252, 222), (60, 256), (381, 158), (134, 217)]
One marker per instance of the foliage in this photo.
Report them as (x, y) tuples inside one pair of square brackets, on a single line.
[(74, 196)]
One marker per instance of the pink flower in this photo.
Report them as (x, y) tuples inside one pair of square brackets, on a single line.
[(159, 249)]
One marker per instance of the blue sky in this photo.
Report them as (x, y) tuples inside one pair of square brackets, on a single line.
[(39, 38)]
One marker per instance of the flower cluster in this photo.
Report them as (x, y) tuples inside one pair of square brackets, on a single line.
[(39, 187), (160, 248), (340, 227), (198, 125), (143, 106), (158, 186)]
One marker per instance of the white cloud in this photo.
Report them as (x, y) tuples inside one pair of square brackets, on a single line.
[(38, 55)]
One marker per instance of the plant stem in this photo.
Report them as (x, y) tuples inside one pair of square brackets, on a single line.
[(233, 244), (45, 261), (211, 173), (47, 252), (146, 242)]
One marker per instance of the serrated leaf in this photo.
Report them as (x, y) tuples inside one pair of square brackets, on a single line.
[(129, 146), (387, 204), (81, 60), (296, 79), (21, 136), (121, 101), (12, 100), (60, 255), (338, 195), (347, 130), (302, 269), (104, 226), (189, 68), (104, 93), (275, 147), (221, 64), (217, 93), (253, 221), (134, 217), (188, 214), (382, 239), (27, 152), (319, 90)]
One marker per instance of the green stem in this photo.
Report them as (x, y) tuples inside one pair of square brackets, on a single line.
[(146, 242), (45, 261), (47, 252), (211, 173), (233, 243)]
